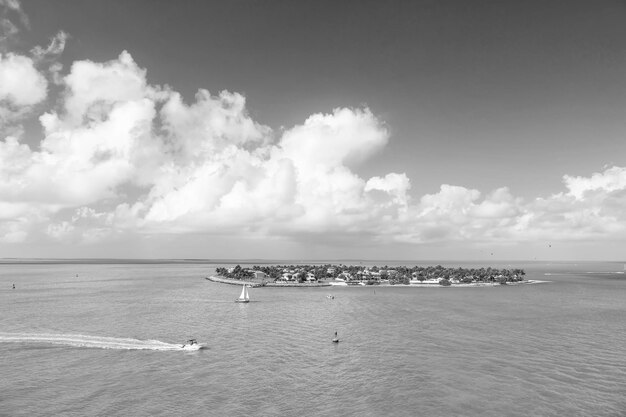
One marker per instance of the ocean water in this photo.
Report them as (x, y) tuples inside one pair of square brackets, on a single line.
[(104, 340)]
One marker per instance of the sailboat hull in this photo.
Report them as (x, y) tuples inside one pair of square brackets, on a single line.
[(242, 301)]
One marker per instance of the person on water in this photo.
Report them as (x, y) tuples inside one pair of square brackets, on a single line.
[(13, 286), (336, 339)]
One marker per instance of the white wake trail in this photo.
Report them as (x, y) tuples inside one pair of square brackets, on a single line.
[(79, 340)]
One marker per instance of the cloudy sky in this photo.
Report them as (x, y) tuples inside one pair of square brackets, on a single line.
[(313, 130)]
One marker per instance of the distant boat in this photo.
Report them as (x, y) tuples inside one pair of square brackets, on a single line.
[(330, 297), (336, 338), (192, 344), (243, 297)]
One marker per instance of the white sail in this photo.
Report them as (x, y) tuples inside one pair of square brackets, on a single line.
[(243, 298)]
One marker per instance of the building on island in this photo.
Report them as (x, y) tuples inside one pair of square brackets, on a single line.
[(259, 275)]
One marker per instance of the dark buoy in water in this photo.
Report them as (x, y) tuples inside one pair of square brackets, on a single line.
[(336, 339)]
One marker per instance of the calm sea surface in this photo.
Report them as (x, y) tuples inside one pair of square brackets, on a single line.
[(103, 340)]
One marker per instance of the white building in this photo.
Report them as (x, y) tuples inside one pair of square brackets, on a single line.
[(259, 275)]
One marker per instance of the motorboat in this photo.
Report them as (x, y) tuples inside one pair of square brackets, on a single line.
[(191, 344)]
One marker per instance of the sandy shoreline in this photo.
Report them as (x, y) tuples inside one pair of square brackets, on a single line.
[(229, 281)]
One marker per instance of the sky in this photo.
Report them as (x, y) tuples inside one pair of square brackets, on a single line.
[(406, 130)]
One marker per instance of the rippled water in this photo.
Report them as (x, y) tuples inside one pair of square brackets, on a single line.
[(107, 342)]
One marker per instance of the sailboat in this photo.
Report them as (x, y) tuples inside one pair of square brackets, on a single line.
[(243, 298)]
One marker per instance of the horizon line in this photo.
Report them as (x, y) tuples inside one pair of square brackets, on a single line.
[(7, 260)]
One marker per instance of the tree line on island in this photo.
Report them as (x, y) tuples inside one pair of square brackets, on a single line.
[(372, 275)]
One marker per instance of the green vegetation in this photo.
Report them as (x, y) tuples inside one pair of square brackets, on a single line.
[(372, 275), (445, 282)]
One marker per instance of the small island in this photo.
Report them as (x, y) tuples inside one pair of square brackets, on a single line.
[(344, 275)]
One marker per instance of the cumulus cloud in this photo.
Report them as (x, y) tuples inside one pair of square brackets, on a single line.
[(20, 82), (94, 89), (345, 137), (23, 81), (591, 208), (396, 185), (224, 172), (22, 86), (120, 156), (612, 179), (161, 164), (87, 151)]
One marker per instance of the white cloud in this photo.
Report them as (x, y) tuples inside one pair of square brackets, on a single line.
[(93, 89), (78, 162), (499, 204), (396, 185), (21, 87), (8, 29), (450, 199), (60, 231), (224, 173), (591, 209), (209, 125), (120, 156), (16, 7), (12, 232), (20, 82), (612, 179), (54, 48), (344, 138)]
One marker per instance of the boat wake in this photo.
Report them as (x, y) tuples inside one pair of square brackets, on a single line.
[(79, 340)]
